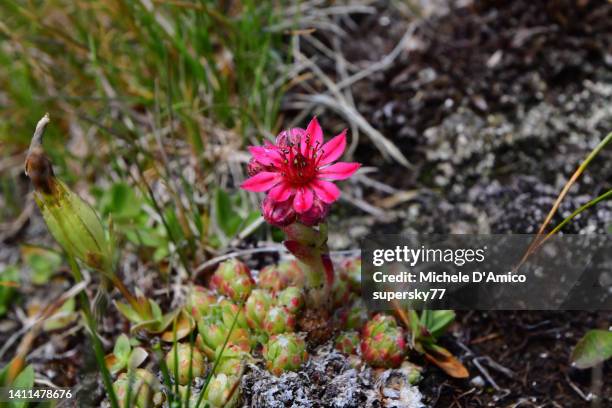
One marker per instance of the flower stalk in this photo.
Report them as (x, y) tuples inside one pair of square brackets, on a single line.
[(309, 246)]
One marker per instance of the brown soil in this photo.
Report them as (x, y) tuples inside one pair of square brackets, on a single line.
[(534, 346)]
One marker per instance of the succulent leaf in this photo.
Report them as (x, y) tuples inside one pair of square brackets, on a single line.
[(279, 320), (256, 308), (291, 298), (382, 342), (233, 279), (178, 360), (347, 342), (284, 352)]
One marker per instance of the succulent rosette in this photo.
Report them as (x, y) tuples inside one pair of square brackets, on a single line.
[(297, 173), (291, 298), (233, 279), (215, 327), (228, 311), (292, 272), (199, 300), (347, 342), (353, 316), (194, 396), (278, 320), (230, 360), (270, 278), (284, 352), (178, 360), (383, 342), (141, 386), (222, 391), (350, 271), (278, 277), (341, 291), (256, 308)]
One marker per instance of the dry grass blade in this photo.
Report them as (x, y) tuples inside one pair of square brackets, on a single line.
[(538, 240), (28, 333), (384, 145), (605, 196), (572, 180), (448, 363), (401, 313), (341, 104)]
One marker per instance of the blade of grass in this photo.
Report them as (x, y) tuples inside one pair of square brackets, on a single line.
[(97, 343), (175, 359), (162, 216), (165, 373)]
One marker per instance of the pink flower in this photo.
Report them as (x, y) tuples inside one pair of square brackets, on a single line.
[(297, 174)]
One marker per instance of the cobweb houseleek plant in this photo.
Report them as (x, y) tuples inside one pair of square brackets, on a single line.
[(297, 173)]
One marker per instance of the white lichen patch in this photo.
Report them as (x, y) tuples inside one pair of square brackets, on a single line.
[(330, 379)]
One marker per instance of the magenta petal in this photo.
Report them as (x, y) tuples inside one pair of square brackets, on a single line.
[(314, 137), (262, 181), (315, 132), (339, 171), (266, 155), (303, 200), (333, 149), (326, 191), (281, 192)]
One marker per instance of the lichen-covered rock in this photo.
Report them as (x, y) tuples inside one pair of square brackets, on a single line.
[(382, 342), (397, 387), (327, 379), (178, 360), (233, 279), (284, 352)]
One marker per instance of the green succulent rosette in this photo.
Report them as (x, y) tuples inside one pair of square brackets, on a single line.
[(284, 352), (383, 342), (233, 279), (291, 298), (178, 360)]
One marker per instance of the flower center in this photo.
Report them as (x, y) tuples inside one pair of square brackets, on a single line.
[(300, 163)]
